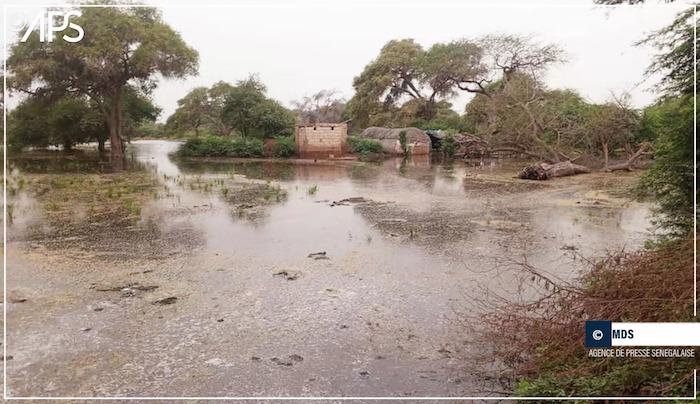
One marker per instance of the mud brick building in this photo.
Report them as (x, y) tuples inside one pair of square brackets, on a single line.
[(321, 140)]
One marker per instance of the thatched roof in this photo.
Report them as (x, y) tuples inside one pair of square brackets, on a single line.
[(412, 134)]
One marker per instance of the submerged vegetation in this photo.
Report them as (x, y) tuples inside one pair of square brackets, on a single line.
[(364, 147), (216, 146), (90, 210)]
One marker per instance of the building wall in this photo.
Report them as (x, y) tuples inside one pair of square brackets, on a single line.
[(322, 140)]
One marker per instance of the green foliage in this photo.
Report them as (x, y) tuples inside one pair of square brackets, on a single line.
[(610, 383), (217, 146), (251, 113), (676, 61), (364, 147), (122, 47), (28, 125), (669, 181), (403, 70), (403, 140), (201, 109), (10, 213), (150, 130), (44, 120), (285, 146), (449, 146), (407, 82), (610, 125), (670, 124)]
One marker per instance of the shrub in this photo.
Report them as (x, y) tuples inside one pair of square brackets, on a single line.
[(449, 146), (284, 147), (364, 146), (403, 139), (539, 341), (216, 146)]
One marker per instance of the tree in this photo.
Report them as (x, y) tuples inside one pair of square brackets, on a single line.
[(405, 74), (28, 124), (41, 122), (323, 106), (404, 71), (612, 124), (121, 47), (138, 109), (190, 111), (445, 118), (511, 54), (242, 104), (216, 97), (70, 119), (670, 180), (564, 117), (250, 113), (515, 115)]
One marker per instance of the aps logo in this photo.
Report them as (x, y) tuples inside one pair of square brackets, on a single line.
[(46, 24)]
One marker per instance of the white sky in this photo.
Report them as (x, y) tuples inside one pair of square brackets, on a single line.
[(299, 48)]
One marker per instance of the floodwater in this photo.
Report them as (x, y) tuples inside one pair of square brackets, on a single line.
[(262, 278)]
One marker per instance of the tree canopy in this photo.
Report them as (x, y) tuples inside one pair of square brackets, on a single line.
[(70, 119), (122, 47), (248, 110), (405, 73)]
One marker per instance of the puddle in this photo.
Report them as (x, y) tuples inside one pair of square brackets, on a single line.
[(354, 267)]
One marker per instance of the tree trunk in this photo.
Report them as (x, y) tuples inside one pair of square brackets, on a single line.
[(605, 154), (101, 145), (115, 128), (544, 171), (67, 145), (627, 165)]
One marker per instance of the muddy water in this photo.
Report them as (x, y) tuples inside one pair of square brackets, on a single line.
[(373, 316)]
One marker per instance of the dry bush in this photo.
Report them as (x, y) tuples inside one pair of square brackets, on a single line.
[(540, 338)]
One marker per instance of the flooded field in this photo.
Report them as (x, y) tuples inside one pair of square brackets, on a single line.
[(252, 278)]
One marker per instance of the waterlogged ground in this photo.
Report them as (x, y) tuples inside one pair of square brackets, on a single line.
[(221, 278)]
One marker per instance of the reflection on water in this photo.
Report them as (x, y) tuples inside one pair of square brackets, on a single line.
[(481, 194), (79, 161)]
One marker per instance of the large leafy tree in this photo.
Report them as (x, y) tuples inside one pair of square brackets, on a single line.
[(121, 47), (190, 111), (201, 108), (405, 73), (250, 112), (69, 119)]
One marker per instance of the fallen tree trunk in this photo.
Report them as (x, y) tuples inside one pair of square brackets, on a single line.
[(627, 165), (545, 171)]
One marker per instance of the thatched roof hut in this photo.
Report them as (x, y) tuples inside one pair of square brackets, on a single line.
[(417, 140)]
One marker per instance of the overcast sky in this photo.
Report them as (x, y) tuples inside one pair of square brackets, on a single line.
[(299, 48)]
